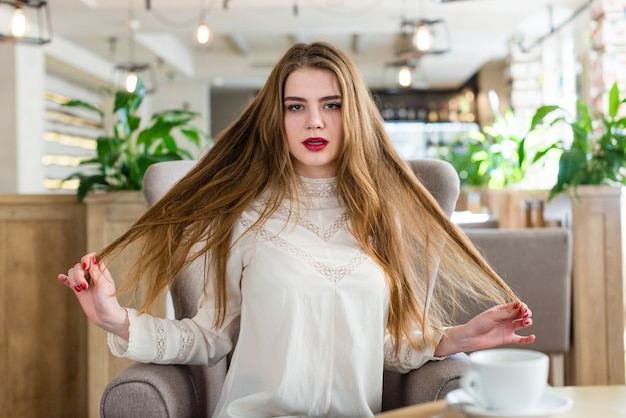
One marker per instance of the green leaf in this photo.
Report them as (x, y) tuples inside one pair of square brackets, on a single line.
[(571, 164), (614, 101), (539, 155), (84, 105), (192, 135), (89, 183), (521, 153), (170, 143), (185, 154), (541, 114)]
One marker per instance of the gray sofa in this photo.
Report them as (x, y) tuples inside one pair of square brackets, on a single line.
[(534, 262)]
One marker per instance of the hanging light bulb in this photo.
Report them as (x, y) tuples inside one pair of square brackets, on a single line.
[(18, 23), (423, 37), (405, 76), (131, 81), (25, 22), (203, 34)]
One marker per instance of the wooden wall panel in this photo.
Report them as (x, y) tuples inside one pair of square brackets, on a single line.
[(597, 354), (42, 328)]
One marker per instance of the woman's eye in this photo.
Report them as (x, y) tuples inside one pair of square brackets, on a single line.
[(333, 106), (294, 107)]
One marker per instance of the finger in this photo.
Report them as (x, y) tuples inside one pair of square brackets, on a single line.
[(521, 323), (520, 310), (63, 278), (76, 278), (105, 271), (527, 313), (504, 312), (523, 340), (99, 271), (523, 314), (87, 260)]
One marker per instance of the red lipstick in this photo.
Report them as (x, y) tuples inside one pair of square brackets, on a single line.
[(315, 144)]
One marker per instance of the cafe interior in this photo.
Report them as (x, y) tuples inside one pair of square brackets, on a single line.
[(455, 80)]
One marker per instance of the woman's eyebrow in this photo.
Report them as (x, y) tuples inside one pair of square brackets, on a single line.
[(321, 99), (294, 99)]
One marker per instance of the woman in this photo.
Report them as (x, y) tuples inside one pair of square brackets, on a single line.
[(321, 244)]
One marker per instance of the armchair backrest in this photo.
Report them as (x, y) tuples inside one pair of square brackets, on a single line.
[(438, 176)]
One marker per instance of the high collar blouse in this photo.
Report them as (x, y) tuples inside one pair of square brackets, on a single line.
[(307, 308)]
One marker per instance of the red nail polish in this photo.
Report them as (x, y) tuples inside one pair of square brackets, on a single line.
[(526, 321), (77, 288), (516, 305), (83, 286), (94, 260), (84, 266)]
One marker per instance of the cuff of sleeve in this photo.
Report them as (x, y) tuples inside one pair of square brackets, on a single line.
[(442, 332), (140, 345), (117, 345)]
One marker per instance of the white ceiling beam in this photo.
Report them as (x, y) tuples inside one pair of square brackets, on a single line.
[(92, 4), (239, 43), (80, 58), (170, 49)]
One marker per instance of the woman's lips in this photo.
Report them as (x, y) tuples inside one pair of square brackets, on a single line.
[(315, 144)]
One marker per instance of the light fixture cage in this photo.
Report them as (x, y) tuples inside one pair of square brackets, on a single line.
[(418, 79), (37, 13), (440, 36), (142, 69)]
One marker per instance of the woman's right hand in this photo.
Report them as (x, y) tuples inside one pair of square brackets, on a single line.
[(94, 288)]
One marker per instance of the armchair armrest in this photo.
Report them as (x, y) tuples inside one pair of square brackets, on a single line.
[(168, 391), (430, 382)]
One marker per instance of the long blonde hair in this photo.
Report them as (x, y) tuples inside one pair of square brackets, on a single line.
[(393, 217)]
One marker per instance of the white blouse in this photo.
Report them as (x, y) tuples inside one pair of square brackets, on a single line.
[(308, 309)]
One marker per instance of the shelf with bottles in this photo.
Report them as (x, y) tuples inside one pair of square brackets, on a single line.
[(429, 106)]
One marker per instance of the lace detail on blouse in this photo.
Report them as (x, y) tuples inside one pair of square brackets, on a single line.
[(187, 338), (309, 225), (319, 187), (408, 358), (330, 273), (389, 353), (404, 357), (161, 338)]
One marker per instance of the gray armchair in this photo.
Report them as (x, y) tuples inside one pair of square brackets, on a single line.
[(154, 391)]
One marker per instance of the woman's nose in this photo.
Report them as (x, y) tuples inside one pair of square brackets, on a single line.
[(314, 120)]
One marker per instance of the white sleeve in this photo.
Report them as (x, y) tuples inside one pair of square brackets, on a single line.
[(408, 358), (188, 341)]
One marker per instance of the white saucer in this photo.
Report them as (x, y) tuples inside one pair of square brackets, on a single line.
[(550, 404)]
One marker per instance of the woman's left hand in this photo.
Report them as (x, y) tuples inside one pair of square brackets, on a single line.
[(493, 327)]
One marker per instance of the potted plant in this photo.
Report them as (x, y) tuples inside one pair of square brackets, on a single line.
[(498, 155), (597, 152), (492, 163), (462, 153), (124, 154)]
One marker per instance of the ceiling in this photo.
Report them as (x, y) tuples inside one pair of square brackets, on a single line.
[(250, 35)]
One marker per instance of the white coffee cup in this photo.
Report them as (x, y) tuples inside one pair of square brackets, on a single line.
[(506, 379)]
